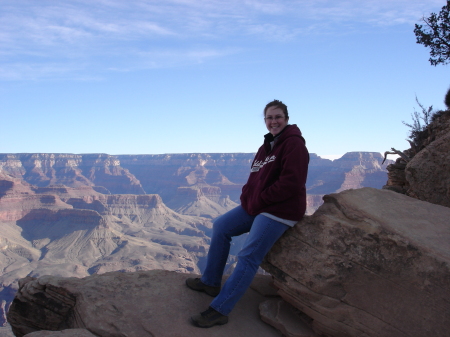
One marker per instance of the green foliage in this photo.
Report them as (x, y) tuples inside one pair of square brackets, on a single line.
[(418, 129), (436, 35)]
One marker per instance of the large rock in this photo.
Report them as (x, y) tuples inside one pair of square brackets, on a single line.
[(370, 263), (63, 333), (149, 303), (428, 173)]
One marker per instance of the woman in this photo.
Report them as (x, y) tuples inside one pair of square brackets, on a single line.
[(273, 200)]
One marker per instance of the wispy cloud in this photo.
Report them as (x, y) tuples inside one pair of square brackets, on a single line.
[(58, 32)]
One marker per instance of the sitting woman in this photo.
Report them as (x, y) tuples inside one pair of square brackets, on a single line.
[(272, 200)]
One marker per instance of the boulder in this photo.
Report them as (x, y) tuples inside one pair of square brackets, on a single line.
[(428, 173), (370, 263), (423, 172), (63, 333), (147, 303), (286, 318)]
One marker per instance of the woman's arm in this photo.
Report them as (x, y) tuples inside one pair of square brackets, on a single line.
[(294, 171)]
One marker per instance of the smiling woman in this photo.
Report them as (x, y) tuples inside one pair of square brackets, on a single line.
[(272, 200), (276, 118)]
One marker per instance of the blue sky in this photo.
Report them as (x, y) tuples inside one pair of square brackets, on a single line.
[(178, 76)]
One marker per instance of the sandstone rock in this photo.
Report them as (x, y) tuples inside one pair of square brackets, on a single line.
[(426, 176), (285, 318), (5, 331), (63, 333), (370, 263), (396, 177), (151, 303), (428, 173)]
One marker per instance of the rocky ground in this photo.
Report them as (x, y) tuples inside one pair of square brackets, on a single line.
[(152, 303), (5, 331)]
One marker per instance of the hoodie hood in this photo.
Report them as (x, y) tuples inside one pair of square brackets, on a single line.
[(290, 130)]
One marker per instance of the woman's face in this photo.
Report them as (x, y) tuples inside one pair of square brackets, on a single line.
[(275, 120)]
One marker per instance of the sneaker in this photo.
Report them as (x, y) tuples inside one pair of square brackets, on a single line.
[(209, 318), (197, 284)]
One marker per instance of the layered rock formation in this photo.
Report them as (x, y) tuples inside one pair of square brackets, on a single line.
[(369, 263), (77, 232), (191, 200), (352, 170), (73, 170), (217, 177)]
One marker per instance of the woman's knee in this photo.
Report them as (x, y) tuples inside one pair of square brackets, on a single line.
[(219, 228), (234, 222)]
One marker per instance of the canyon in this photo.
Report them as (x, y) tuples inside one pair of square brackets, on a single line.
[(364, 261), (75, 215)]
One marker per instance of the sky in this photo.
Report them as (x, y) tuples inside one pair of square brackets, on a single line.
[(193, 76)]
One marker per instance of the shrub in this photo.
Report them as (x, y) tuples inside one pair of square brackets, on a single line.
[(418, 129)]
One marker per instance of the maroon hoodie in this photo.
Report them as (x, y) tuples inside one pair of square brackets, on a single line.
[(276, 184)]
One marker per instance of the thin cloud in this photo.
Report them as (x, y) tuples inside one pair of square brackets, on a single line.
[(273, 32), (102, 33), (32, 71), (171, 58)]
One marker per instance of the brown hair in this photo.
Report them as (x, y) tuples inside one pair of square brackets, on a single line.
[(278, 104)]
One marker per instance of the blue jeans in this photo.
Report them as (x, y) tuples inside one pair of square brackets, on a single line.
[(263, 233)]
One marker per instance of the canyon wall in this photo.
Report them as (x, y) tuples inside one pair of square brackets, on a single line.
[(217, 176), (77, 231)]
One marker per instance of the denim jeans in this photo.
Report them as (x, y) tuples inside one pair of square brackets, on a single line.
[(263, 233)]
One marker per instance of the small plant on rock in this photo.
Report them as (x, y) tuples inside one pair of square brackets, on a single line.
[(418, 129)]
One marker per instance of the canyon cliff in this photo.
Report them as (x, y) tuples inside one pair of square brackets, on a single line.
[(184, 180), (76, 231)]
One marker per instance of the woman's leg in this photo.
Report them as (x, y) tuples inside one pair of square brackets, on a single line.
[(263, 234), (232, 223)]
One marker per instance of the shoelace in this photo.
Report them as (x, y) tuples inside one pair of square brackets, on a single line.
[(210, 312)]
